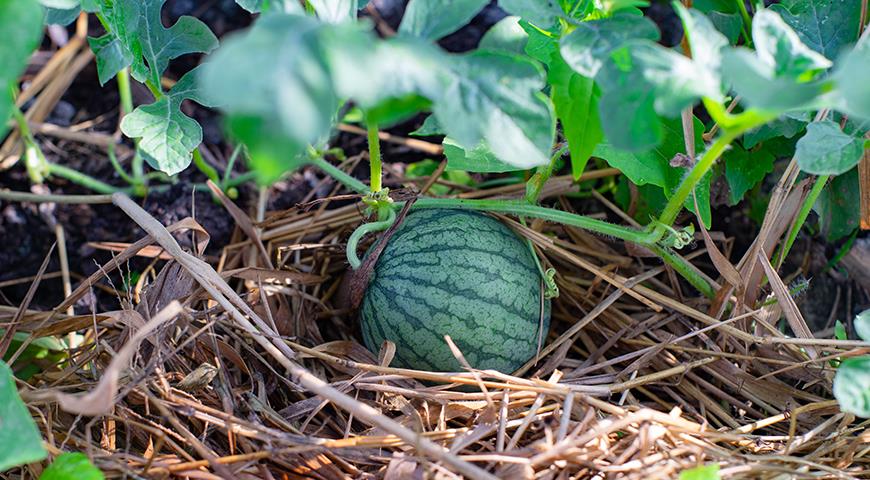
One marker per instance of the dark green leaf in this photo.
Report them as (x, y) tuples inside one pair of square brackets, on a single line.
[(589, 45), (434, 19), (506, 35), (335, 11), (825, 26), (71, 466), (21, 24), (744, 169), (477, 159), (142, 39), (852, 386), (496, 97), (19, 436), (785, 126), (826, 150), (168, 136), (543, 13), (836, 206), (575, 98), (862, 325)]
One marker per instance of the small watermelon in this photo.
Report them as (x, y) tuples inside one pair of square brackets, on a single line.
[(457, 273)]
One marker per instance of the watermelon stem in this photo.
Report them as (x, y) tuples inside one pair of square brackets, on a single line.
[(357, 235), (374, 157)]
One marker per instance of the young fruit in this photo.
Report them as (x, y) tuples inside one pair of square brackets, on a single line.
[(456, 273)]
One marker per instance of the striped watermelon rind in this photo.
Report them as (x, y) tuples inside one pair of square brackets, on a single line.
[(457, 273)]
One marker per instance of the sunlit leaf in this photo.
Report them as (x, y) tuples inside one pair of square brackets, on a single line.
[(589, 45), (19, 436), (825, 26), (434, 19), (335, 11), (827, 150), (862, 325), (506, 35), (543, 13), (852, 386), (21, 24), (71, 466), (703, 472)]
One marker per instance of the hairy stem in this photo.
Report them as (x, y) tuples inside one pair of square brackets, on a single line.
[(362, 230), (82, 179), (347, 180), (123, 79), (374, 157)]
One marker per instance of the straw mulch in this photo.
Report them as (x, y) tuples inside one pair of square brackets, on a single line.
[(251, 367)]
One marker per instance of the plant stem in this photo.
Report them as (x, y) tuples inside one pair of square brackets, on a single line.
[(231, 163), (374, 157), (356, 236), (123, 79), (684, 268), (539, 179), (240, 179), (339, 175), (118, 167), (802, 215), (205, 168), (80, 178), (747, 22)]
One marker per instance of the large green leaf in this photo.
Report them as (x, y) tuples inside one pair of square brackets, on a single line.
[(168, 137), (63, 17), (543, 13), (71, 466), (496, 97), (707, 45), (787, 126), (781, 74), (21, 24), (137, 38), (290, 102), (852, 386), (825, 26), (837, 206), (827, 150), (272, 6), (744, 169), (477, 159), (434, 19), (19, 436), (589, 45)]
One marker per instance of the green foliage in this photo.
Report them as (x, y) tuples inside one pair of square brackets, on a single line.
[(71, 466), (272, 6), (590, 44), (433, 19), (862, 325), (19, 436), (703, 472), (744, 169), (836, 206), (825, 26), (506, 35), (852, 383), (168, 137), (21, 24), (335, 11), (543, 13), (827, 150)]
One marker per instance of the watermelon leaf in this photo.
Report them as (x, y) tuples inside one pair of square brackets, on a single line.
[(852, 95), (335, 11), (477, 159), (434, 19), (506, 35), (543, 13), (827, 150), (824, 26), (744, 169), (836, 206), (168, 137), (862, 325), (272, 6), (589, 45), (19, 436), (852, 386), (21, 23)]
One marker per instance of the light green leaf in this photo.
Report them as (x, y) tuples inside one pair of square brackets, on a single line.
[(852, 386), (272, 6), (703, 472), (862, 325), (72, 466), (62, 17), (840, 331), (21, 24), (496, 97), (827, 150), (434, 19), (60, 4), (744, 169), (825, 26), (478, 159), (780, 48), (589, 45), (506, 35), (836, 206), (335, 11), (429, 128), (707, 45), (168, 136), (575, 98), (543, 13), (290, 102), (112, 56), (852, 95), (19, 436)]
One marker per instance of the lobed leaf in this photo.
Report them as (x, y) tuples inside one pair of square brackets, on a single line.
[(434, 19), (589, 45), (168, 137), (825, 26)]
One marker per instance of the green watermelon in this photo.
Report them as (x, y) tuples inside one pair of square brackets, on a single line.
[(457, 273)]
